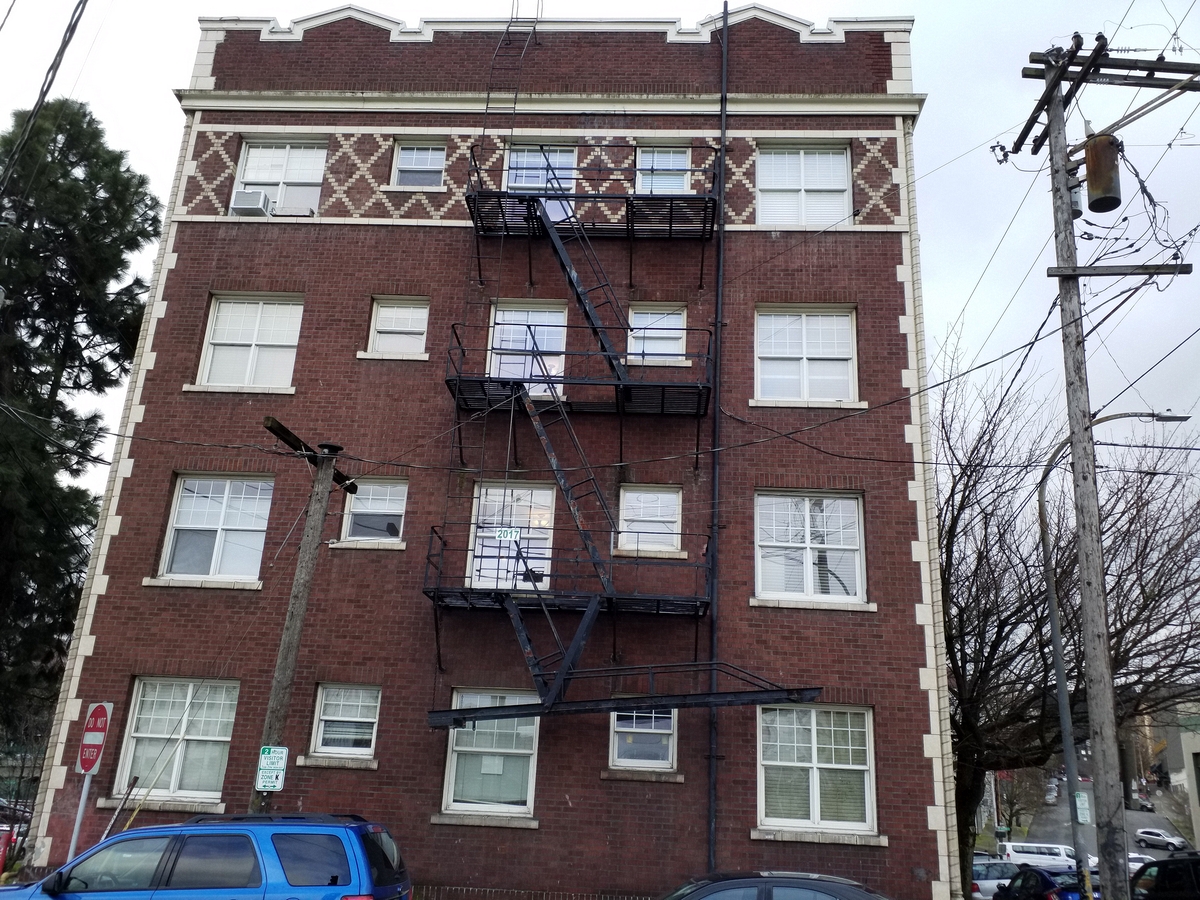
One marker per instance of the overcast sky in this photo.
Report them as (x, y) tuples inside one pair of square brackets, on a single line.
[(984, 227)]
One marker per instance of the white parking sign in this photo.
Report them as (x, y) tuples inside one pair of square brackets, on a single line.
[(272, 763)]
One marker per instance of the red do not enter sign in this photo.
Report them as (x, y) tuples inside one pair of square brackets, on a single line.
[(95, 732)]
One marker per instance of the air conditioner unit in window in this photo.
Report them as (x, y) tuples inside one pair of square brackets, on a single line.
[(250, 203)]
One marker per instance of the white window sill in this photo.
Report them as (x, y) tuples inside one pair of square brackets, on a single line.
[(611, 774), (639, 361), (237, 389), (212, 807), (483, 821), (413, 189), (815, 404), (383, 354), (225, 583), (651, 554), (367, 545), (818, 837), (314, 761), (834, 605)]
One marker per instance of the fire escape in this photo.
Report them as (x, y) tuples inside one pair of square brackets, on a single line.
[(498, 548)]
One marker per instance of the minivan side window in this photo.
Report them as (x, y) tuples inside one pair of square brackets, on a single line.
[(216, 861), (123, 866), (311, 860)]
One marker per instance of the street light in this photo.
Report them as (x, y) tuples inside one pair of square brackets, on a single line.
[(1060, 669)]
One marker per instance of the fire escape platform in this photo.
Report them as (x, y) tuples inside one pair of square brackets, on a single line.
[(479, 393), (489, 598), (512, 213)]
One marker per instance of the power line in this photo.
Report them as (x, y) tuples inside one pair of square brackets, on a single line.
[(7, 14)]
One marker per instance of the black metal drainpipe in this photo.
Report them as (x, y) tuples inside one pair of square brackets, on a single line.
[(714, 537)]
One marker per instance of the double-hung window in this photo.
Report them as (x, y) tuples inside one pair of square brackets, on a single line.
[(643, 739), (806, 188), (290, 175), (808, 547), (251, 343), (650, 518), (491, 764), (398, 328), (513, 533), (544, 171), (178, 739), (528, 344), (804, 357), (376, 511), (419, 167), (662, 171), (815, 768), (218, 527), (657, 335), (347, 716)]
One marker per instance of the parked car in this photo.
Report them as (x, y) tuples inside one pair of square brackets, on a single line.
[(773, 886), (224, 855), (1155, 837), (986, 877), (1174, 878), (1037, 883), (1137, 860), (1054, 856)]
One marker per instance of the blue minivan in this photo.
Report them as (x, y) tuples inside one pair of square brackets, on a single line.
[(236, 857)]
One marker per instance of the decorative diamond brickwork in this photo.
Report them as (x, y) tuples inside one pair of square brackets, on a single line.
[(875, 195), (208, 190)]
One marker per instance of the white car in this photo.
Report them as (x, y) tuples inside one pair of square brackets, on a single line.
[(1137, 860), (986, 877), (1154, 837)]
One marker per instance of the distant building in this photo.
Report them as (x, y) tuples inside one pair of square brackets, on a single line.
[(647, 466)]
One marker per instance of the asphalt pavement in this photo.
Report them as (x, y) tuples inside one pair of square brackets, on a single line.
[(1052, 824)]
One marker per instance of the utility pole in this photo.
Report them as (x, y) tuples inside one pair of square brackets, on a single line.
[(306, 566), (1059, 66)]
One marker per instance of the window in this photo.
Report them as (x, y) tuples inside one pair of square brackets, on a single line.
[(543, 170), (513, 531), (805, 356), (123, 866), (347, 716), (290, 174), (419, 167), (662, 171), (809, 188), (643, 740), (398, 328), (808, 547), (491, 763), (215, 861), (251, 343), (376, 512), (178, 741), (650, 517), (218, 527), (312, 860), (815, 768), (527, 345), (657, 335)]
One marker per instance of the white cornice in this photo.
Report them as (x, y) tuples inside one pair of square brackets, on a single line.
[(672, 29), (556, 104)]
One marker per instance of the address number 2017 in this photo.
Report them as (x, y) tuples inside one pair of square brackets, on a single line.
[(508, 535)]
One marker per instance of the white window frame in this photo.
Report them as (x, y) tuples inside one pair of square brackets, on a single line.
[(507, 698), (398, 167), (805, 189), (645, 175), (815, 823), (636, 354), (276, 209), (805, 399), (181, 479), (807, 598), (643, 765), (360, 542), (319, 720), (558, 209), (414, 303), (177, 736), (544, 555), (629, 540), (247, 386), (551, 365)]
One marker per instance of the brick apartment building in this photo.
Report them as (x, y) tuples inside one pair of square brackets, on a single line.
[(638, 450)]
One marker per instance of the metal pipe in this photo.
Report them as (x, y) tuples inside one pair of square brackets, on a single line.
[(714, 537)]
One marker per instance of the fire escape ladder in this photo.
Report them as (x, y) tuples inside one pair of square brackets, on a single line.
[(504, 77)]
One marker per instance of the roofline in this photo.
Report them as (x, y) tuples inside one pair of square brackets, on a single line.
[(834, 31)]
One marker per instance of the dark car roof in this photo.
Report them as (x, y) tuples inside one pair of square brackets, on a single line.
[(733, 876)]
